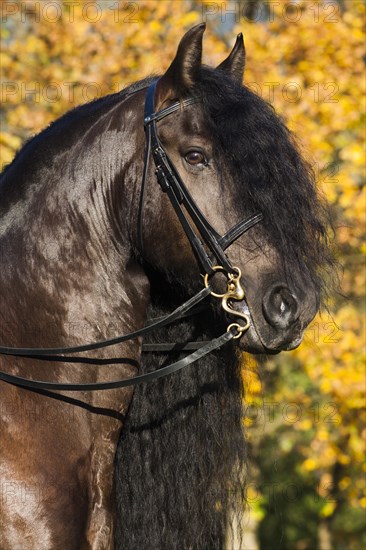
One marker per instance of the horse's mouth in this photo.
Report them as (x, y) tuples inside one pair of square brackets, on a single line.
[(294, 344), (253, 343)]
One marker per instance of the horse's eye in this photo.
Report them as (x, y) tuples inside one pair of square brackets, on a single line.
[(195, 157)]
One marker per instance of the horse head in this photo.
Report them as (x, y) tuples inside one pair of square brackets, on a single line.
[(235, 158)]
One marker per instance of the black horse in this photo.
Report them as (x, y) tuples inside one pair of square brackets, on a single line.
[(87, 254)]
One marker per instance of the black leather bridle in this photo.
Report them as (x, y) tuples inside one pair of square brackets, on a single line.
[(172, 184), (209, 250)]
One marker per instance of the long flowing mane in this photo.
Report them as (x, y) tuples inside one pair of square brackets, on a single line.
[(181, 449)]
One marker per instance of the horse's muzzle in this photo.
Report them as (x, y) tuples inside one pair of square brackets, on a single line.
[(277, 322)]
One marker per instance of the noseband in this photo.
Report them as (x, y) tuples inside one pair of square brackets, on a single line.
[(209, 250)]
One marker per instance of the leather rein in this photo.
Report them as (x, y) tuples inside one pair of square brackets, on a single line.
[(210, 263)]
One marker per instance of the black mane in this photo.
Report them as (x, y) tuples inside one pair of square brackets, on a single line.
[(269, 173), (178, 474)]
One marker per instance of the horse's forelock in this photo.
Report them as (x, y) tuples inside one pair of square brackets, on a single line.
[(269, 173)]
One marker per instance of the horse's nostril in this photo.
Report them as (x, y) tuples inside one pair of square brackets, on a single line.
[(280, 307)]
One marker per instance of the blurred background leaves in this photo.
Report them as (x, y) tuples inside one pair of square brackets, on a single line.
[(305, 418)]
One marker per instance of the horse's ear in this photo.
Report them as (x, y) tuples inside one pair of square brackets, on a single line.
[(184, 69), (234, 64)]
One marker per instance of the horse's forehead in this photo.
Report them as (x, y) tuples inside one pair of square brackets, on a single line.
[(194, 121), (190, 121)]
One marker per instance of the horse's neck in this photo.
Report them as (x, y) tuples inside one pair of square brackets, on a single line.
[(65, 241)]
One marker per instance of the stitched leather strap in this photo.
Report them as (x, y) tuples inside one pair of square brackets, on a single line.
[(96, 386), (175, 346), (238, 230)]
